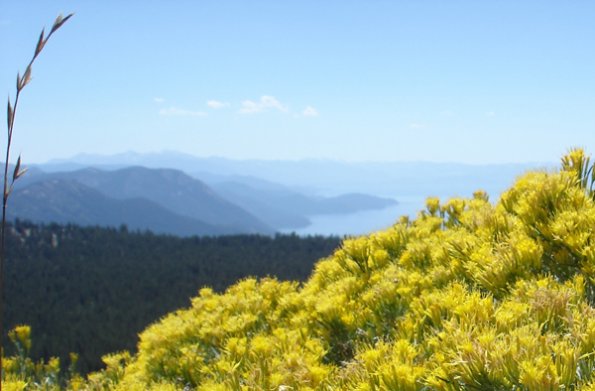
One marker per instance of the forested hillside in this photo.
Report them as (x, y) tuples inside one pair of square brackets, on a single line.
[(92, 290)]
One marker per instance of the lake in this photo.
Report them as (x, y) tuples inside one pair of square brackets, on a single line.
[(361, 223)]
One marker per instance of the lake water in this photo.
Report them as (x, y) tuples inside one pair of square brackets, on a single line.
[(361, 223)]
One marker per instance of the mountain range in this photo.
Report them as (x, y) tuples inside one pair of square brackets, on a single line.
[(170, 201), (325, 177), (260, 196), (67, 201)]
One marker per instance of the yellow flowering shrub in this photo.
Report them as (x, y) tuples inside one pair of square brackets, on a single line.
[(470, 295), (20, 372)]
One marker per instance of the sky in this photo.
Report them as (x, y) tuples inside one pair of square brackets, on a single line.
[(442, 81)]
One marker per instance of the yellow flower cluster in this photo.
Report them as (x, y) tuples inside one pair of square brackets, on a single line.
[(22, 373), (468, 296)]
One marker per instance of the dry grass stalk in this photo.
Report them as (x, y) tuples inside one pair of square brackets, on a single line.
[(22, 81)]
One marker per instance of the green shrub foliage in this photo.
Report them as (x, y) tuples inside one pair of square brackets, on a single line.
[(468, 296)]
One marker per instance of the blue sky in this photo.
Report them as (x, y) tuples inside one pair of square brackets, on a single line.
[(462, 81)]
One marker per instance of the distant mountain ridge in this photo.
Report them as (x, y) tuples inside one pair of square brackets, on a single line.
[(175, 196), (174, 190), (68, 201), (265, 188), (287, 208), (329, 177), (170, 201)]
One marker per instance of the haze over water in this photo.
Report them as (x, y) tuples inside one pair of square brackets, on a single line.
[(363, 222)]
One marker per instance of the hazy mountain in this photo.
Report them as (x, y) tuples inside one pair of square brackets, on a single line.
[(68, 201), (267, 188), (213, 180), (276, 205), (282, 207), (327, 177), (171, 189), (262, 203)]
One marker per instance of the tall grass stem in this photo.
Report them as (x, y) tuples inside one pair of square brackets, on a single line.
[(11, 111)]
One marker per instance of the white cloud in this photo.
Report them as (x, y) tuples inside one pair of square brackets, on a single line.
[(490, 114), (215, 104), (310, 111), (265, 103), (158, 100), (176, 111), (416, 125)]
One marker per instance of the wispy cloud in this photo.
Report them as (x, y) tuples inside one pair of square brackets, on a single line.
[(490, 114), (178, 112), (215, 104), (310, 111), (416, 125), (158, 100), (265, 103), (447, 113)]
